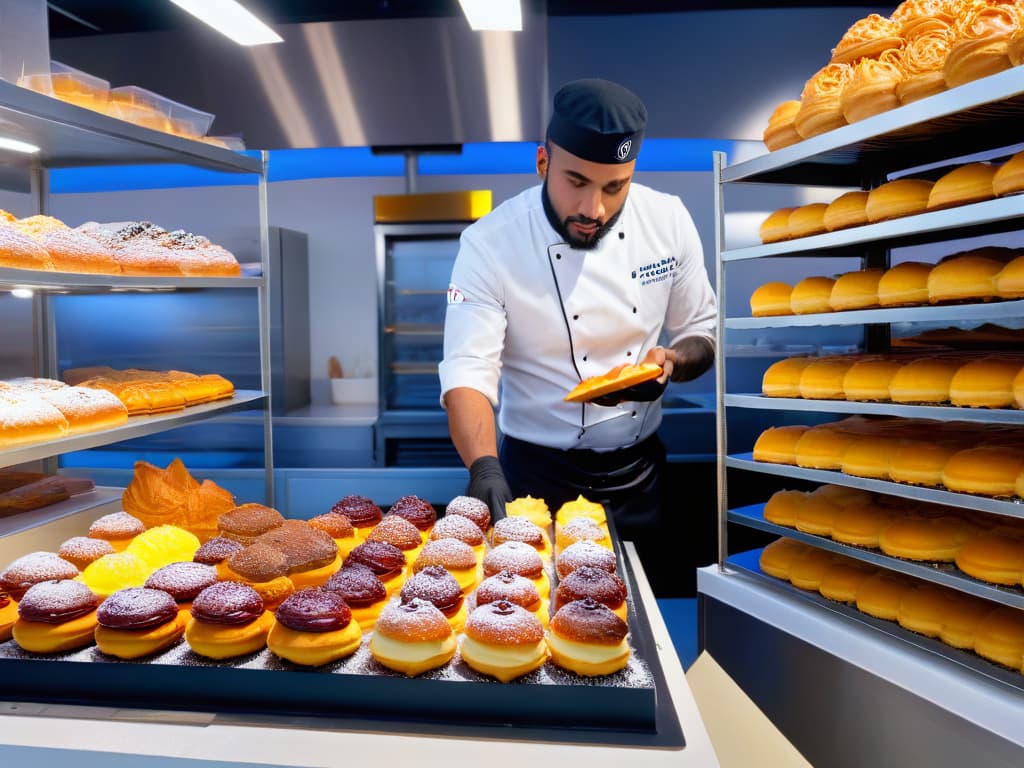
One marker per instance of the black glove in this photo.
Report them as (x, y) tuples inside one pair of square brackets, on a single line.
[(638, 393), (487, 483)]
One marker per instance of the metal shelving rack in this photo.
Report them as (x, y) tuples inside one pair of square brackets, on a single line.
[(980, 116), (70, 136)]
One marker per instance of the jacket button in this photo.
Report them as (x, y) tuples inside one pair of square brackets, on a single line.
[(558, 255), (584, 358), (629, 354), (622, 235), (575, 317)]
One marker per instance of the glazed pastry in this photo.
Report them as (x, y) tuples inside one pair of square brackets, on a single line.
[(925, 380), (311, 555), (583, 553), (823, 379), (823, 448), (963, 278), (588, 639), (247, 522), (811, 296), (931, 539), (986, 383), (504, 641), (781, 132), (783, 506), (867, 38), (80, 551), (55, 616), (361, 512), (417, 511), (807, 220), (1010, 280), (861, 524), (1009, 177), (386, 561), (807, 570), (902, 197), (264, 569), (868, 380), (398, 531), (847, 210), (461, 528), (856, 290), (777, 445), (339, 528), (771, 300), (534, 510), (118, 528), (815, 515), (183, 581), (34, 568), (880, 594), (515, 589), (138, 622), (8, 615), (521, 529), (521, 559), (924, 608), (964, 615), (456, 557), (820, 110), (999, 637), (228, 620), (110, 573), (921, 59), (777, 558), (581, 529), (364, 593), (969, 183), (471, 508), (604, 587), (413, 637), (581, 507), (872, 87), (904, 285), (980, 49), (782, 378), (986, 470), (216, 551), (439, 588), (870, 456), (993, 556), (313, 627), (776, 227), (842, 579), (163, 545)]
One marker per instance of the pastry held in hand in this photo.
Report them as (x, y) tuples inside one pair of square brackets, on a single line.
[(618, 378)]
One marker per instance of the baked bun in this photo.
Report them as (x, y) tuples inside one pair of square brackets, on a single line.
[(511, 587), (397, 530), (781, 132), (842, 496), (313, 627), (461, 528), (183, 581), (228, 620), (783, 506), (925, 380), (777, 558), (904, 285), (807, 220), (776, 227), (8, 615), (815, 515), (521, 529), (439, 588), (847, 210), (1015, 46), (362, 591), (856, 290), (606, 588), (993, 556), (842, 580), (880, 594), (872, 87), (771, 300), (1009, 178), (964, 278), (1010, 280), (969, 183), (920, 462), (986, 383), (986, 470), (138, 622), (117, 528), (217, 550), (861, 524), (80, 551), (55, 616), (964, 614), (867, 38), (923, 609), (522, 559), (870, 456), (339, 528), (581, 529), (412, 637), (902, 197), (823, 379), (807, 569), (247, 522), (820, 110), (504, 641), (999, 637), (933, 539), (311, 554), (823, 448), (361, 512), (588, 639), (472, 508), (868, 380), (417, 511), (782, 378), (456, 557), (583, 553), (386, 561), (777, 445), (34, 568), (69, 250), (812, 295)]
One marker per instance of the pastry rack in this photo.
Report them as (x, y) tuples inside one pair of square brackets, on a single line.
[(71, 136), (983, 116)]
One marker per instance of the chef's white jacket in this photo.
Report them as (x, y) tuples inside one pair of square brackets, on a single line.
[(526, 309)]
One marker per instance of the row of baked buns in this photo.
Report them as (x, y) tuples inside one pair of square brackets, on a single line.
[(960, 620), (33, 410), (969, 379), (971, 183), (985, 547), (119, 248), (964, 457), (149, 392), (883, 62), (981, 274)]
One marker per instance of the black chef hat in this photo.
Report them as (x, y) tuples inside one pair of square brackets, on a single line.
[(599, 121)]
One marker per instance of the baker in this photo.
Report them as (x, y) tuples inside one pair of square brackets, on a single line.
[(585, 272)]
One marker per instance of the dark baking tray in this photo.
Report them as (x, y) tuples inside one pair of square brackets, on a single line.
[(632, 707)]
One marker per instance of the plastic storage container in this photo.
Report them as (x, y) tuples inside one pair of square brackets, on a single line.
[(151, 110), (70, 85)]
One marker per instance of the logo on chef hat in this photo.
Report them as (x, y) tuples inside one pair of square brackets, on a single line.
[(455, 296), (623, 151)]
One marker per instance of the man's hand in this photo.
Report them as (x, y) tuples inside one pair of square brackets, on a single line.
[(487, 483), (648, 390)]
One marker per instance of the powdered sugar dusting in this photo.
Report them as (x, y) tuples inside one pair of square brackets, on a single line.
[(184, 580), (517, 529), (81, 550), (33, 568), (55, 602), (448, 553), (457, 527), (585, 553), (413, 621), (504, 623), (118, 525), (136, 608), (435, 585), (398, 531), (472, 508), (516, 557)]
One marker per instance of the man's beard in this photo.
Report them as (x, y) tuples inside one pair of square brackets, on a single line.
[(584, 243)]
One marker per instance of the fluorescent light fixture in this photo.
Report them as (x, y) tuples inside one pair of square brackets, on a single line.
[(21, 293), (18, 146), (499, 15), (230, 18)]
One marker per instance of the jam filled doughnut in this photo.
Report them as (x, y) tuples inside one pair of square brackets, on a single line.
[(245, 523), (417, 511), (518, 558), (228, 619), (515, 589), (396, 530), (584, 553), (137, 622), (606, 588), (521, 529), (412, 637), (438, 587), (361, 512), (587, 638), (33, 568), (314, 627), (118, 528), (339, 528), (55, 616), (456, 557), (183, 581), (216, 551), (364, 593), (471, 508), (263, 568), (80, 551), (386, 561), (461, 528), (504, 641)]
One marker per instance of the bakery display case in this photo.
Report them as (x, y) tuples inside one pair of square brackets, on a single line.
[(817, 639)]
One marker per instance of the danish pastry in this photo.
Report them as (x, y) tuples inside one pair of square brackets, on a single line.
[(820, 110), (872, 87), (867, 38), (921, 59)]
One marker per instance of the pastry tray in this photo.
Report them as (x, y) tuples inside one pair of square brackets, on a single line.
[(631, 707)]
